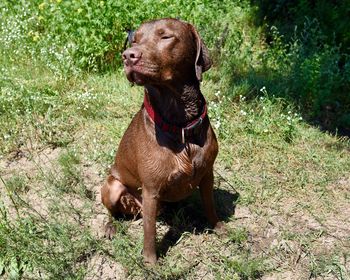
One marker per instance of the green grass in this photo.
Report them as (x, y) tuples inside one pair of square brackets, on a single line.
[(268, 154), (281, 183)]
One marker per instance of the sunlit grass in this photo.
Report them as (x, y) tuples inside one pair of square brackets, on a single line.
[(60, 126)]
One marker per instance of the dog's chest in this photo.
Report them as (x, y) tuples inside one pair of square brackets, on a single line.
[(187, 169)]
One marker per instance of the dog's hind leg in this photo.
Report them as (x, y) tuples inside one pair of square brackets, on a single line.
[(118, 200)]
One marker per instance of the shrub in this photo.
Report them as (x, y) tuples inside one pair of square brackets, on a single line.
[(87, 34), (308, 66), (303, 59)]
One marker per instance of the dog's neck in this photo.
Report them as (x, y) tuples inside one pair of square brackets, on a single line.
[(177, 105)]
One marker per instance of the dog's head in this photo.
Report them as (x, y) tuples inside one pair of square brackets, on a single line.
[(164, 51)]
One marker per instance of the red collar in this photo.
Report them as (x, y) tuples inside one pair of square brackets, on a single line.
[(185, 131)]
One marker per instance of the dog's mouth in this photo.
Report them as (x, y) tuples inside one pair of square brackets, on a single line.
[(139, 73), (134, 75), (138, 79)]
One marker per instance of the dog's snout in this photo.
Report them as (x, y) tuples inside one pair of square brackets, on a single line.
[(132, 56)]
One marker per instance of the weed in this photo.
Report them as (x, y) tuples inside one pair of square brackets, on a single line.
[(17, 184), (238, 236), (329, 265), (245, 269), (71, 176)]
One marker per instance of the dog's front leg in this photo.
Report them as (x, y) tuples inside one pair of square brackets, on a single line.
[(207, 195), (149, 207)]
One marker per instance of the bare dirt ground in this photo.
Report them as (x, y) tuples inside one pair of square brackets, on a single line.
[(293, 233)]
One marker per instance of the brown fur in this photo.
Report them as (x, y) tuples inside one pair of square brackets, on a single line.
[(167, 57)]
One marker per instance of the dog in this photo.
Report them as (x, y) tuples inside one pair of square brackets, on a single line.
[(169, 148)]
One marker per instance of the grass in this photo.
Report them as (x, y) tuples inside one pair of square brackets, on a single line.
[(281, 168), (281, 183)]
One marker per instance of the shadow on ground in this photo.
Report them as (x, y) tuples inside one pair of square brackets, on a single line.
[(188, 216)]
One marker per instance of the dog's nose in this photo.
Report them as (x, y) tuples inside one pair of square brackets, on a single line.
[(131, 56)]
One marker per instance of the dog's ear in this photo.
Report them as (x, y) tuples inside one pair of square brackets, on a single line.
[(203, 61)]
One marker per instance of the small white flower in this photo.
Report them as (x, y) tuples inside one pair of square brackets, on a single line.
[(241, 97), (263, 89), (243, 113), (217, 124), (289, 118)]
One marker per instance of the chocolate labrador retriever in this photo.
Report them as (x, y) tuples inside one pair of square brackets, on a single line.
[(168, 150)]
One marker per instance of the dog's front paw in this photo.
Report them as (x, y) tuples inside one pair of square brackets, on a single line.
[(110, 230), (220, 228), (150, 260)]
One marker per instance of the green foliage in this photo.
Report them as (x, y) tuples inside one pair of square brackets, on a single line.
[(238, 236), (330, 265), (243, 269), (331, 16), (86, 34), (71, 175), (309, 48), (304, 59), (306, 71), (17, 184)]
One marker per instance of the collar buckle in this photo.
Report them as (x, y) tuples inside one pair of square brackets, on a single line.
[(185, 132)]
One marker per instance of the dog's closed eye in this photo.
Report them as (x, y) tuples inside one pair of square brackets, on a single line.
[(165, 37)]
